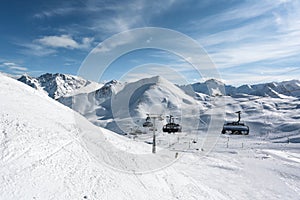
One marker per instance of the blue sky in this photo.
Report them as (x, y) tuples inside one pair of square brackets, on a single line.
[(249, 41)]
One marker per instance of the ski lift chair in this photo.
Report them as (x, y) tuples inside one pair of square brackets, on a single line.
[(236, 128)]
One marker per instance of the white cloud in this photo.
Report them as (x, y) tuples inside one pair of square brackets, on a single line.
[(8, 64), (18, 68), (254, 33), (86, 42), (124, 15), (251, 31), (58, 41), (241, 54), (268, 34), (239, 13), (36, 50), (264, 75), (54, 12), (244, 78), (64, 41), (48, 45), (232, 36), (13, 67)]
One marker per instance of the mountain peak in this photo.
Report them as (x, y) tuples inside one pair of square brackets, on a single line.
[(112, 82), (156, 80), (212, 80), (56, 85), (32, 82)]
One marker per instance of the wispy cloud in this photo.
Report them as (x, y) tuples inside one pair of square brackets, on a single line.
[(12, 67), (264, 75), (49, 45), (31, 49), (54, 12), (237, 36), (101, 19), (64, 41), (238, 13), (18, 68), (8, 64), (257, 32), (109, 17)]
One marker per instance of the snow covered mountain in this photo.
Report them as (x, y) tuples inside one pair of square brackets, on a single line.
[(56, 85), (273, 89), (134, 100), (61, 85), (210, 87), (32, 82), (48, 151), (89, 102)]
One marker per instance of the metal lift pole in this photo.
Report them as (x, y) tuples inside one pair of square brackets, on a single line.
[(154, 117), (154, 137)]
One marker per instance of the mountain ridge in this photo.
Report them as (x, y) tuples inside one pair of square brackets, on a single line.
[(55, 85), (272, 89), (58, 85)]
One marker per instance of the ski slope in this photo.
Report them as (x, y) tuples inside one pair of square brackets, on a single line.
[(50, 152)]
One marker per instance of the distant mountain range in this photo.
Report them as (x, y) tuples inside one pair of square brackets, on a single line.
[(61, 85), (272, 89)]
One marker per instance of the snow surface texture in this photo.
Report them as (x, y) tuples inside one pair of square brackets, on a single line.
[(45, 154)]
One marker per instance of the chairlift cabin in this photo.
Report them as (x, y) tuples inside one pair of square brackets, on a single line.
[(171, 126), (148, 122), (236, 128)]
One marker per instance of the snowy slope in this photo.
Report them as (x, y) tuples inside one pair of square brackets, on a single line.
[(94, 104), (50, 152), (44, 154), (266, 116)]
